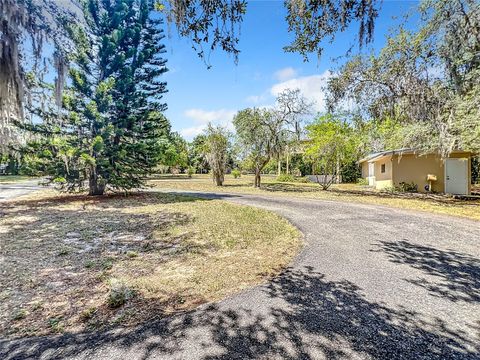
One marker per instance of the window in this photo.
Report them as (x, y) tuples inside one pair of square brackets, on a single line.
[(382, 169)]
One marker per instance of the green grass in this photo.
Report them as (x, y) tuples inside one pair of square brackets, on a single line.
[(343, 192), (100, 262)]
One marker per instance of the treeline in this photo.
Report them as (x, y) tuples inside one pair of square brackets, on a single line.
[(420, 91), (101, 126)]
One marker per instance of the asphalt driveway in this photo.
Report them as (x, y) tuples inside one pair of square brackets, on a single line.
[(15, 189), (371, 283)]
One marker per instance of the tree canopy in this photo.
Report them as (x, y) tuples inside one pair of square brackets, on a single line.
[(33, 22), (108, 129), (261, 136), (209, 25), (332, 144), (314, 21), (426, 80), (215, 149)]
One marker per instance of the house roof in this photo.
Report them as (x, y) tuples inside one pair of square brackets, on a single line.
[(378, 155)]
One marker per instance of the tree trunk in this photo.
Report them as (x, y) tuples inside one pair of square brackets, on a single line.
[(337, 175), (257, 178), (219, 180), (288, 166), (95, 189), (279, 171)]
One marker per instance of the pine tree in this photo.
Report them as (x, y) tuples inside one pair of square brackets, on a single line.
[(110, 130)]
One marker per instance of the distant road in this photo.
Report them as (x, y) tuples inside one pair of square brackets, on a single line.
[(15, 189)]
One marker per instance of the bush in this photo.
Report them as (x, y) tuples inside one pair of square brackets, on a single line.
[(402, 187), (389, 189), (20, 314), (119, 293), (407, 187), (285, 178), (476, 170), (236, 173), (190, 171), (132, 254), (351, 172), (362, 181), (88, 313), (56, 324)]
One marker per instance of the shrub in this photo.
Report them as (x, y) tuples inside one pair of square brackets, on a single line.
[(89, 264), (236, 173), (64, 251), (303, 180), (190, 171), (107, 264), (351, 172), (88, 313), (132, 254), (56, 324), (119, 293), (362, 181), (389, 189), (59, 180), (285, 178), (20, 314), (407, 187)]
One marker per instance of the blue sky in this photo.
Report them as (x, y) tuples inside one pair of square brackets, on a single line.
[(198, 95)]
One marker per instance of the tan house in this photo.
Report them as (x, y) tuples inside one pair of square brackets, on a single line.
[(428, 172)]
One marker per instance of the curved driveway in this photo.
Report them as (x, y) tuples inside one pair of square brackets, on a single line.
[(371, 282), (15, 189)]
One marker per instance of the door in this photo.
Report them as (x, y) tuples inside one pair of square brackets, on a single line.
[(456, 176), (371, 174)]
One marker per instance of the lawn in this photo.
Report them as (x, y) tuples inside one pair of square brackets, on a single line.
[(74, 263), (438, 204)]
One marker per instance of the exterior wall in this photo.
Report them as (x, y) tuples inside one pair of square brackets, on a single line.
[(413, 168), (365, 169), (383, 180), (382, 184)]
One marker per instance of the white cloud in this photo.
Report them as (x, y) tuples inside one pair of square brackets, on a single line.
[(256, 99), (193, 131), (202, 117), (312, 87), (285, 74)]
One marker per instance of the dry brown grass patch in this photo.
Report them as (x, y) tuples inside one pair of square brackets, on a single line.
[(71, 263)]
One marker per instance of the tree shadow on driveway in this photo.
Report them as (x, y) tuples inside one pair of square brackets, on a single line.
[(450, 274), (299, 315)]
